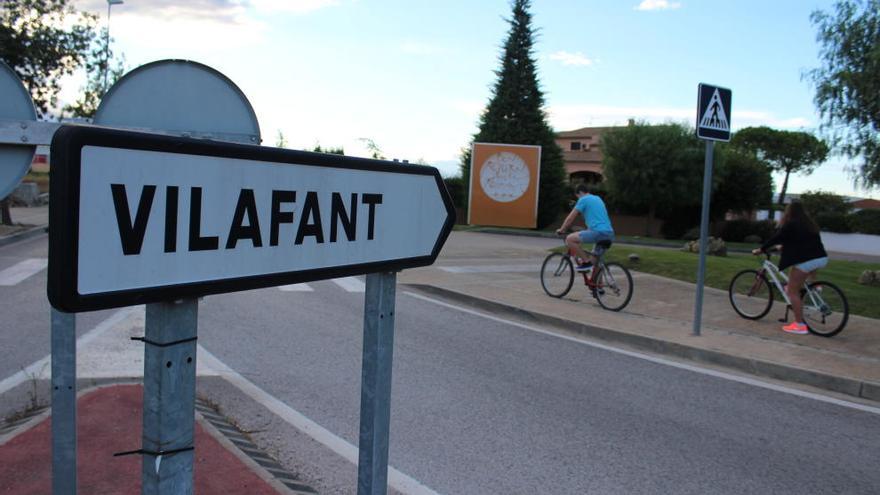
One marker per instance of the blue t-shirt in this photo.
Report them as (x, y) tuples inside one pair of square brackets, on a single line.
[(593, 209)]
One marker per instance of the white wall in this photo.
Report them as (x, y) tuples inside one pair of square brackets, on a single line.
[(852, 243)]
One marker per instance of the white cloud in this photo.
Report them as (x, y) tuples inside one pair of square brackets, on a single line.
[(217, 11), (576, 59), (657, 5), (569, 117), (292, 6)]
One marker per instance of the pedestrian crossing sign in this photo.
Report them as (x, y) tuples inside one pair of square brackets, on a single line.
[(713, 112)]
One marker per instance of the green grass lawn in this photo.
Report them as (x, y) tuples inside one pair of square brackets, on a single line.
[(863, 299)]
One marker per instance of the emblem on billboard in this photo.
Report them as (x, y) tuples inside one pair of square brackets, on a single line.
[(504, 177)]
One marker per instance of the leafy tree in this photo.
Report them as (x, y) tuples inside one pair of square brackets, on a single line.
[(653, 168), (375, 151), (515, 114), (784, 151), (743, 183), (848, 82), (43, 41), (280, 140), (828, 210), (822, 202), (98, 61)]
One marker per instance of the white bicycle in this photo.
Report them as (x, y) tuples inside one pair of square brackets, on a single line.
[(826, 309)]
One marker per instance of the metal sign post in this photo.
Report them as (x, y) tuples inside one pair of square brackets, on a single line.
[(713, 124), (63, 354), (376, 383), (19, 134), (704, 234), (169, 397), (185, 99)]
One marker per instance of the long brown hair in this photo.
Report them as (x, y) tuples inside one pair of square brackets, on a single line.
[(796, 214)]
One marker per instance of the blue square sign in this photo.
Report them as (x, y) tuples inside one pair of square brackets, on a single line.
[(713, 112)]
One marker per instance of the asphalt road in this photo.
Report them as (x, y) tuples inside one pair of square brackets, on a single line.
[(480, 405), (24, 309)]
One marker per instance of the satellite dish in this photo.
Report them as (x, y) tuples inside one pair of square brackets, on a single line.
[(183, 98), (16, 104)]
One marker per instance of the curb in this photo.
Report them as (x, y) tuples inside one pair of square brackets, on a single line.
[(630, 242), (24, 234), (826, 381)]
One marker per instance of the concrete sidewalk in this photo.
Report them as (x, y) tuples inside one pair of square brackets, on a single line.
[(28, 223), (659, 318)]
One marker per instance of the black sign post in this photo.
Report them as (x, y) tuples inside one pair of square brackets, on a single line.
[(713, 124)]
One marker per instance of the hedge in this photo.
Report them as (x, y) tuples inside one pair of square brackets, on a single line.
[(864, 221)]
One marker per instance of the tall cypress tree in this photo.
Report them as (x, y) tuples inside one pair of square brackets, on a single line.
[(515, 114)]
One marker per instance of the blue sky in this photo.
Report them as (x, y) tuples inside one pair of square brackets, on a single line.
[(414, 75)]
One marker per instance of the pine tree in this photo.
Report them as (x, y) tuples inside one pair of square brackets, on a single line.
[(515, 115)]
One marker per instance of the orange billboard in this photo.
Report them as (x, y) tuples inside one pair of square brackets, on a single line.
[(504, 185)]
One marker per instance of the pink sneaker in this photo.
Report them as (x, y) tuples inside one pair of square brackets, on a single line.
[(795, 327)]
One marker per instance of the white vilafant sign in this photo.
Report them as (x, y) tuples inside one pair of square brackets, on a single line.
[(160, 218)]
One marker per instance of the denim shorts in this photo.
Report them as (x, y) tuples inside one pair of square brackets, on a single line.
[(594, 236), (813, 264)]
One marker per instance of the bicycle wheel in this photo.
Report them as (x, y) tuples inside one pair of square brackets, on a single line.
[(826, 309), (614, 287), (750, 294), (557, 275)]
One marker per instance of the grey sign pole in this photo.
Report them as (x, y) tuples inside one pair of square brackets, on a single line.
[(208, 105), (169, 397), (63, 403), (704, 233), (376, 383)]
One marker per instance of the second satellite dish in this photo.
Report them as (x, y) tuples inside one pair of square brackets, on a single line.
[(182, 97)]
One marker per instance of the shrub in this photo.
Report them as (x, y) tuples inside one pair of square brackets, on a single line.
[(865, 221), (692, 234), (833, 222), (455, 186), (678, 221), (738, 230), (753, 239)]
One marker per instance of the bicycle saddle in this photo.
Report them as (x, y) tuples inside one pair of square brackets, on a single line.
[(604, 244)]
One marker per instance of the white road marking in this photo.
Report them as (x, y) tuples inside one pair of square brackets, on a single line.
[(18, 272), (490, 269), (350, 284), (296, 288), (399, 481), (653, 359), (40, 366)]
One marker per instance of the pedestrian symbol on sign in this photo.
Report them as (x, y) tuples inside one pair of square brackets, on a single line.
[(714, 116), (713, 113)]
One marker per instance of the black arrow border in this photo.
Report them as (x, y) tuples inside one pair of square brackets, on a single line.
[(64, 199)]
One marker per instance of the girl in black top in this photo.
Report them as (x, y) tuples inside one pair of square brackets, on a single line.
[(802, 249)]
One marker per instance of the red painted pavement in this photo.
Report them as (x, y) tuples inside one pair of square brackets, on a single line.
[(109, 421)]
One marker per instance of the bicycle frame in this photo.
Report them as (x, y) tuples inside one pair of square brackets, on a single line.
[(598, 266), (779, 279)]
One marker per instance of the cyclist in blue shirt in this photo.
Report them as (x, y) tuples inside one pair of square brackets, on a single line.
[(598, 225)]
